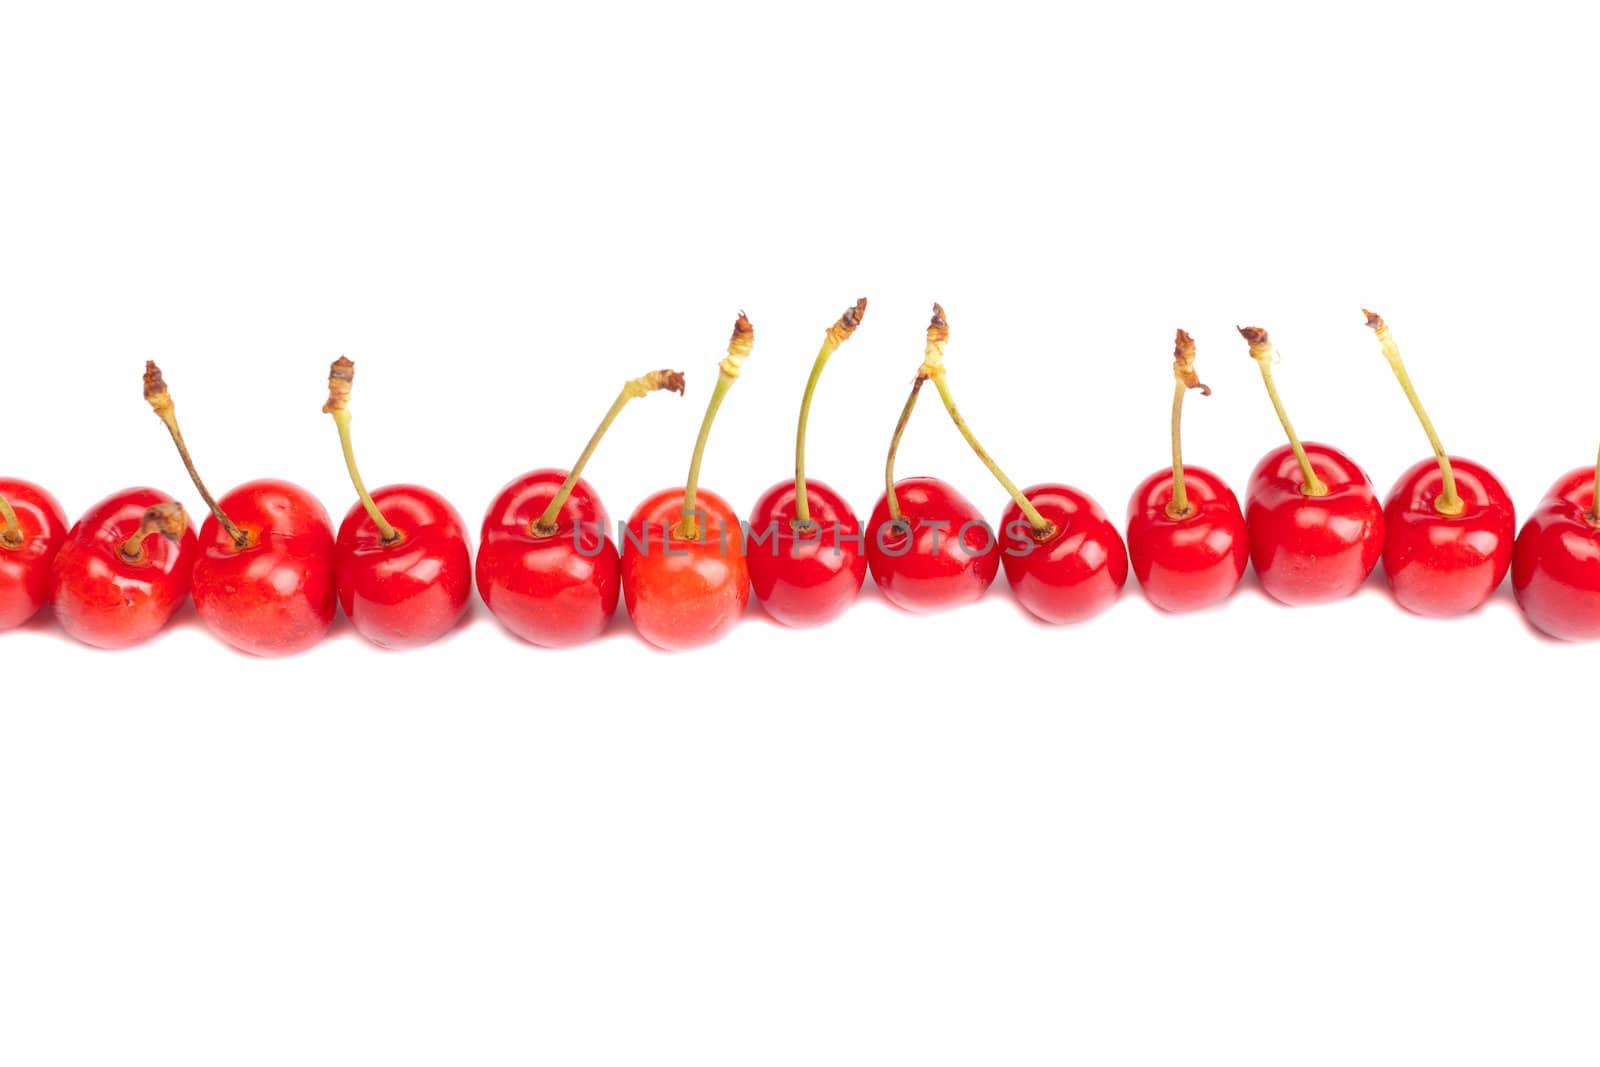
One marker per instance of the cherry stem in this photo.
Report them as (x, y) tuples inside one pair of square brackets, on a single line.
[(10, 528), (670, 380), (341, 376), (933, 368), (169, 520), (1594, 501), (1183, 372), (156, 395), (837, 335), (894, 447), (1261, 352), (1448, 503), (687, 526)]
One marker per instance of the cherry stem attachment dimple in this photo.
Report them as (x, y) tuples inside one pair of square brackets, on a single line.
[(837, 335), (341, 376), (1448, 503), (10, 529), (670, 380), (933, 369), (1261, 352), (1186, 379), (169, 520), (160, 401), (739, 345)]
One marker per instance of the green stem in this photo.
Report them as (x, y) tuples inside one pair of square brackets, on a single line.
[(802, 505), (389, 535), (1311, 485), (686, 527), (894, 447), (546, 524), (1042, 527), (1179, 507)]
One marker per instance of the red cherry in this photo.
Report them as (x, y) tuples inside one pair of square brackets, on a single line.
[(401, 563), (273, 595), (685, 580), (1448, 523), (548, 568), (412, 590), (940, 555), (805, 552), (1191, 562), (1446, 564), (263, 581), (1186, 534), (552, 589), (1316, 529), (805, 575), (1555, 570), (1312, 549), (114, 583), (32, 529), (684, 592), (1073, 573)]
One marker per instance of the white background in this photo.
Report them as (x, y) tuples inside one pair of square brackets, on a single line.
[(1252, 836)]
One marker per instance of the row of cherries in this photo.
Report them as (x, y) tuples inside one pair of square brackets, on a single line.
[(266, 567)]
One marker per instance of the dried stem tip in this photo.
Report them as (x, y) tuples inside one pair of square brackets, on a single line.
[(341, 376), (155, 389), (933, 351), (1183, 364), (840, 331), (1374, 320), (670, 380), (168, 519), (739, 345), (1256, 338)]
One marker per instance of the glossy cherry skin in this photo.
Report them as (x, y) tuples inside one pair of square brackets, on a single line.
[(554, 590), (805, 577), (1312, 549), (1078, 572), (25, 569), (683, 594), (1555, 569), (1441, 565), (275, 596), (410, 592), (1189, 563), (943, 556), (107, 601)]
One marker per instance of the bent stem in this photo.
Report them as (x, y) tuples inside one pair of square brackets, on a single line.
[(160, 401), (687, 527), (894, 447), (10, 529), (670, 380), (1183, 372), (341, 376), (933, 368), (1261, 352), (1448, 502), (169, 520), (838, 334)]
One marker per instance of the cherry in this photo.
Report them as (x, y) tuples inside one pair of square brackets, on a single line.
[(685, 580), (1065, 561), (805, 557), (403, 583), (1449, 523), (1555, 569), (547, 567), (1186, 535), (263, 581), (1316, 528), (114, 582), (32, 528)]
